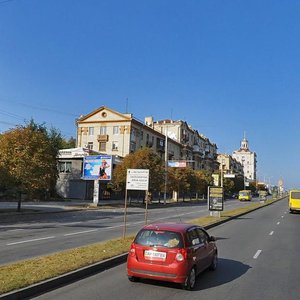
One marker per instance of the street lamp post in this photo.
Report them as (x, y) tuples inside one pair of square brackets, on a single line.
[(166, 166), (243, 160)]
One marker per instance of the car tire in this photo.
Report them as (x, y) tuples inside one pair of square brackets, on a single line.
[(133, 278), (214, 263), (190, 281)]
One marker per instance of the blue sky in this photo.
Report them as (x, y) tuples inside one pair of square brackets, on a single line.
[(225, 67)]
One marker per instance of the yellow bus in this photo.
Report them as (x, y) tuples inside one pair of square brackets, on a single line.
[(245, 195), (294, 200)]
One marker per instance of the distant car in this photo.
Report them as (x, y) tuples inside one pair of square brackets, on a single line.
[(174, 252), (245, 195)]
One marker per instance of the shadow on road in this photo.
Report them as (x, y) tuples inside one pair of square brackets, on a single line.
[(228, 270)]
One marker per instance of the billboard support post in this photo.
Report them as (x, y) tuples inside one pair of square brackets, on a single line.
[(96, 192), (125, 215), (136, 179)]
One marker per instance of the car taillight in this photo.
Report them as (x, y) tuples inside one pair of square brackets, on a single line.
[(181, 255), (132, 250)]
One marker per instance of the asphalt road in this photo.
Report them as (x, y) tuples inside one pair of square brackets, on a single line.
[(27, 236), (258, 259)]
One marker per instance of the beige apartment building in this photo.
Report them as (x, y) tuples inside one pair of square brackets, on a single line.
[(114, 133), (230, 165), (197, 149)]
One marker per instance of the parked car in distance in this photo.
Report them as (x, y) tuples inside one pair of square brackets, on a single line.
[(174, 252)]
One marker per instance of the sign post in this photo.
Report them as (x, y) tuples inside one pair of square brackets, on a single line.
[(137, 179)]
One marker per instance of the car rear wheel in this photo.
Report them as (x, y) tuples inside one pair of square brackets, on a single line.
[(190, 280), (133, 278), (214, 263)]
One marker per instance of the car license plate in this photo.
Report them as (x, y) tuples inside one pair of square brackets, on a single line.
[(150, 254)]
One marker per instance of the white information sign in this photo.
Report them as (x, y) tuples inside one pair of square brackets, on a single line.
[(137, 179)]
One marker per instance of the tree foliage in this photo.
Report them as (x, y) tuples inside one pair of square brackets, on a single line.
[(142, 159), (28, 159)]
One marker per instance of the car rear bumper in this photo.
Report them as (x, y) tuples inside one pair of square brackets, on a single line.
[(175, 272)]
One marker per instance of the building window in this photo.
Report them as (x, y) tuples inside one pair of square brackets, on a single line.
[(102, 130), (102, 146), (115, 146), (132, 147), (91, 130), (90, 145), (64, 166), (142, 135), (133, 135), (116, 130)]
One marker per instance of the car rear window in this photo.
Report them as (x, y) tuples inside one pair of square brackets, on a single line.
[(295, 195), (161, 238)]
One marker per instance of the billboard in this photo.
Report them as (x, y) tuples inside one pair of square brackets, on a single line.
[(177, 164), (97, 167), (215, 198)]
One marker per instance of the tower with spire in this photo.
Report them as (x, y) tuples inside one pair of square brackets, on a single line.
[(247, 158)]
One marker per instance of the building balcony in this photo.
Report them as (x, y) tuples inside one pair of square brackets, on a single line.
[(102, 138)]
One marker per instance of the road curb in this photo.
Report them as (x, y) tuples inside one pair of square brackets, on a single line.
[(56, 282)]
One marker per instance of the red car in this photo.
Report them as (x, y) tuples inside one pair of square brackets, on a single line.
[(175, 252)]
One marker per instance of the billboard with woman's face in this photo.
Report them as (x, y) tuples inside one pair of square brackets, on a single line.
[(97, 167)]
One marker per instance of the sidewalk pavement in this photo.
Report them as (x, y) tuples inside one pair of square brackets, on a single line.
[(67, 205)]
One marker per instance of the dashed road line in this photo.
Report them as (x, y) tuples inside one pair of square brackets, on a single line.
[(80, 232), (257, 254), (29, 241), (271, 233)]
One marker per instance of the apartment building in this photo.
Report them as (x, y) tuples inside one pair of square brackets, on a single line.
[(247, 158), (229, 165), (114, 133), (197, 149)]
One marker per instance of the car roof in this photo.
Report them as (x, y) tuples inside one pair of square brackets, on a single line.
[(178, 227)]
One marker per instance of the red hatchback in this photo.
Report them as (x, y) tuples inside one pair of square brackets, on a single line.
[(175, 252)]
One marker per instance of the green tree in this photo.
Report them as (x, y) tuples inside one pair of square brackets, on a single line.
[(228, 185), (204, 179), (142, 159), (28, 158), (68, 143)]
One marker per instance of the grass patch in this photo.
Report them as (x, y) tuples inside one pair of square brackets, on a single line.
[(24, 273)]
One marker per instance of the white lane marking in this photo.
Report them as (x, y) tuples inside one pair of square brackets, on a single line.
[(277, 223), (29, 241), (72, 223), (257, 254), (271, 233), (80, 232), (19, 229), (282, 216)]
